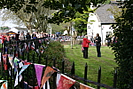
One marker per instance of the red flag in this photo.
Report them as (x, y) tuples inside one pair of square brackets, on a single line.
[(5, 61), (27, 63), (65, 82), (47, 74), (82, 86)]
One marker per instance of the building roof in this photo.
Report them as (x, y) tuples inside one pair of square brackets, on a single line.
[(104, 15)]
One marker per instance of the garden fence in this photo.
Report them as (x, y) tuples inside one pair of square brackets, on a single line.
[(14, 48)]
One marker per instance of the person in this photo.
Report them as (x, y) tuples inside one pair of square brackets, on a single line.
[(98, 45), (85, 46), (8, 38), (17, 36), (28, 35), (22, 36), (34, 36)]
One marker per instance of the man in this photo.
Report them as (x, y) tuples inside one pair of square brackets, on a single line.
[(98, 45)]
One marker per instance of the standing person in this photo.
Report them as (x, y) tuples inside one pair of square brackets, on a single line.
[(17, 36), (28, 36), (22, 36), (98, 45), (85, 46)]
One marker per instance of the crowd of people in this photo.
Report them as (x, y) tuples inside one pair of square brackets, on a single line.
[(96, 41), (22, 36)]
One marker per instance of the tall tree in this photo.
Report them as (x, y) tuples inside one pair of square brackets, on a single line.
[(123, 48), (66, 8), (32, 20)]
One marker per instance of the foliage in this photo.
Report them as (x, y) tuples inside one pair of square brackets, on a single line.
[(32, 20), (66, 9), (59, 28), (123, 48), (4, 28), (80, 22)]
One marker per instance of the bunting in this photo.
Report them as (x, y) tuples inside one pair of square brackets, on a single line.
[(2, 81), (83, 86), (38, 69), (20, 64), (16, 62), (33, 46), (5, 61), (23, 68), (4, 85), (27, 63), (48, 85), (65, 82), (26, 86), (47, 74), (16, 79), (11, 60), (0, 57), (58, 78)]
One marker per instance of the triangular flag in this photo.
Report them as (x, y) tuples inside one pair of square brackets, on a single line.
[(4, 85), (47, 74), (16, 62), (26, 63), (2, 81), (21, 64), (0, 57), (48, 85), (83, 86), (39, 69), (23, 68), (5, 61), (16, 79), (26, 86), (65, 82), (11, 60), (33, 47), (58, 78)]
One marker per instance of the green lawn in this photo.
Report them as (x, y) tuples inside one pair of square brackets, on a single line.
[(106, 62)]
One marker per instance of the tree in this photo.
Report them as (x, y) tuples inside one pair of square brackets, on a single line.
[(123, 48), (33, 20), (81, 21), (66, 8)]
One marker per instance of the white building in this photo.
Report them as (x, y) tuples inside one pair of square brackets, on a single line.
[(100, 22)]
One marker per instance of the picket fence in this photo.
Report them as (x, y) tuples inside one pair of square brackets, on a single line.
[(13, 48)]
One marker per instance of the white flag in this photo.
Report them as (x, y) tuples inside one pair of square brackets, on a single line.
[(48, 86), (16, 80)]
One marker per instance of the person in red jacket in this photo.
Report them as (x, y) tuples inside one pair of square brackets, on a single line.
[(85, 46)]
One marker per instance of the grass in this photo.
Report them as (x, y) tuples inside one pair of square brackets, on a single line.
[(106, 62)]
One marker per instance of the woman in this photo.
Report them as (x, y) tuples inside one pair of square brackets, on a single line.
[(98, 45), (85, 46)]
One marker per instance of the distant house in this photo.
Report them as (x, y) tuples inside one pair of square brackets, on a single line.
[(100, 22), (18, 29)]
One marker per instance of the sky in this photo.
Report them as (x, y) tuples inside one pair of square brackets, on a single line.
[(8, 23)]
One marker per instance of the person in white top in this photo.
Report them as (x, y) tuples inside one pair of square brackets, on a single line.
[(21, 36)]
